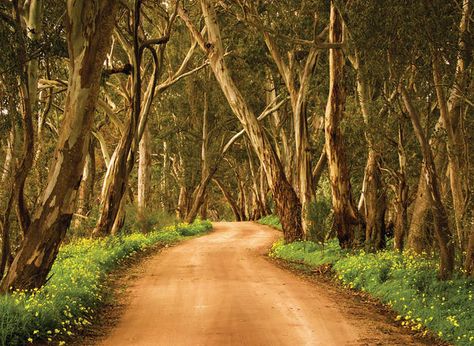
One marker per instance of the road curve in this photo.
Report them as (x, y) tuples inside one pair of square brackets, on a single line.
[(220, 290)]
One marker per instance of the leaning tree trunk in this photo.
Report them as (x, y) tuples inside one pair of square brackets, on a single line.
[(199, 196), (89, 28), (454, 148), (298, 91), (451, 110), (287, 203), (86, 189), (228, 196), (441, 222), (32, 15), (124, 157), (417, 237), (345, 212)]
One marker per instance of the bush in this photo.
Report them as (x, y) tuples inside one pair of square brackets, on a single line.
[(152, 219), (319, 216), (271, 220), (405, 282), (68, 301)]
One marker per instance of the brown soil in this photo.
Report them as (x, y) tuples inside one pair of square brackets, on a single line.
[(221, 290)]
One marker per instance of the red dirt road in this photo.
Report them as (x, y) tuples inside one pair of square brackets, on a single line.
[(220, 290)]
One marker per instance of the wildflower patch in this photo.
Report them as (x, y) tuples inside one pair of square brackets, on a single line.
[(67, 303), (407, 283)]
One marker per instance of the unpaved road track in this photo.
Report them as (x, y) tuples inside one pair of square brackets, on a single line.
[(220, 290)]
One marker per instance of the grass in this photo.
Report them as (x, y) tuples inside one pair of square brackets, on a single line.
[(67, 303), (271, 220), (405, 282)]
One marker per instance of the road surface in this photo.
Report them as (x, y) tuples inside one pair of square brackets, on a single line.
[(220, 289)]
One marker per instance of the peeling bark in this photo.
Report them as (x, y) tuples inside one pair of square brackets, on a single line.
[(287, 202), (442, 230), (86, 189), (89, 26), (373, 199), (346, 216)]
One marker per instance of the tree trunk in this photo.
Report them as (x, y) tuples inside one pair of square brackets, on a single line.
[(89, 28), (182, 202), (144, 173), (401, 197), (287, 203), (165, 169), (375, 204), (469, 261), (199, 197), (442, 231), (124, 157), (7, 194), (232, 203), (242, 201), (373, 198), (345, 212), (454, 150), (298, 94), (86, 189), (264, 191), (417, 237), (32, 16), (5, 232), (204, 206)]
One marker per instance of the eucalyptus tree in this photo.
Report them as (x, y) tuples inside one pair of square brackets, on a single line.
[(287, 202), (346, 215), (272, 22), (122, 161), (116, 180), (89, 27), (423, 77)]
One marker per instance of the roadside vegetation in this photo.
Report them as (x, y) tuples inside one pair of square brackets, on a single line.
[(405, 282), (347, 119), (69, 300), (270, 220)]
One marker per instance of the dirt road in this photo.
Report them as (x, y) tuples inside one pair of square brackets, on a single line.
[(221, 290)]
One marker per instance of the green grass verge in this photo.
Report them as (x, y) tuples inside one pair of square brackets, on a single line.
[(405, 282), (271, 220), (67, 303)]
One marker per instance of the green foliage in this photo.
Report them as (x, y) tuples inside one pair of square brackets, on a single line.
[(319, 216), (271, 220), (406, 283), (153, 219), (67, 303), (83, 227), (307, 252)]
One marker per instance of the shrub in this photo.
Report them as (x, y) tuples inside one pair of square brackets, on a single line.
[(271, 220), (319, 216), (152, 219)]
